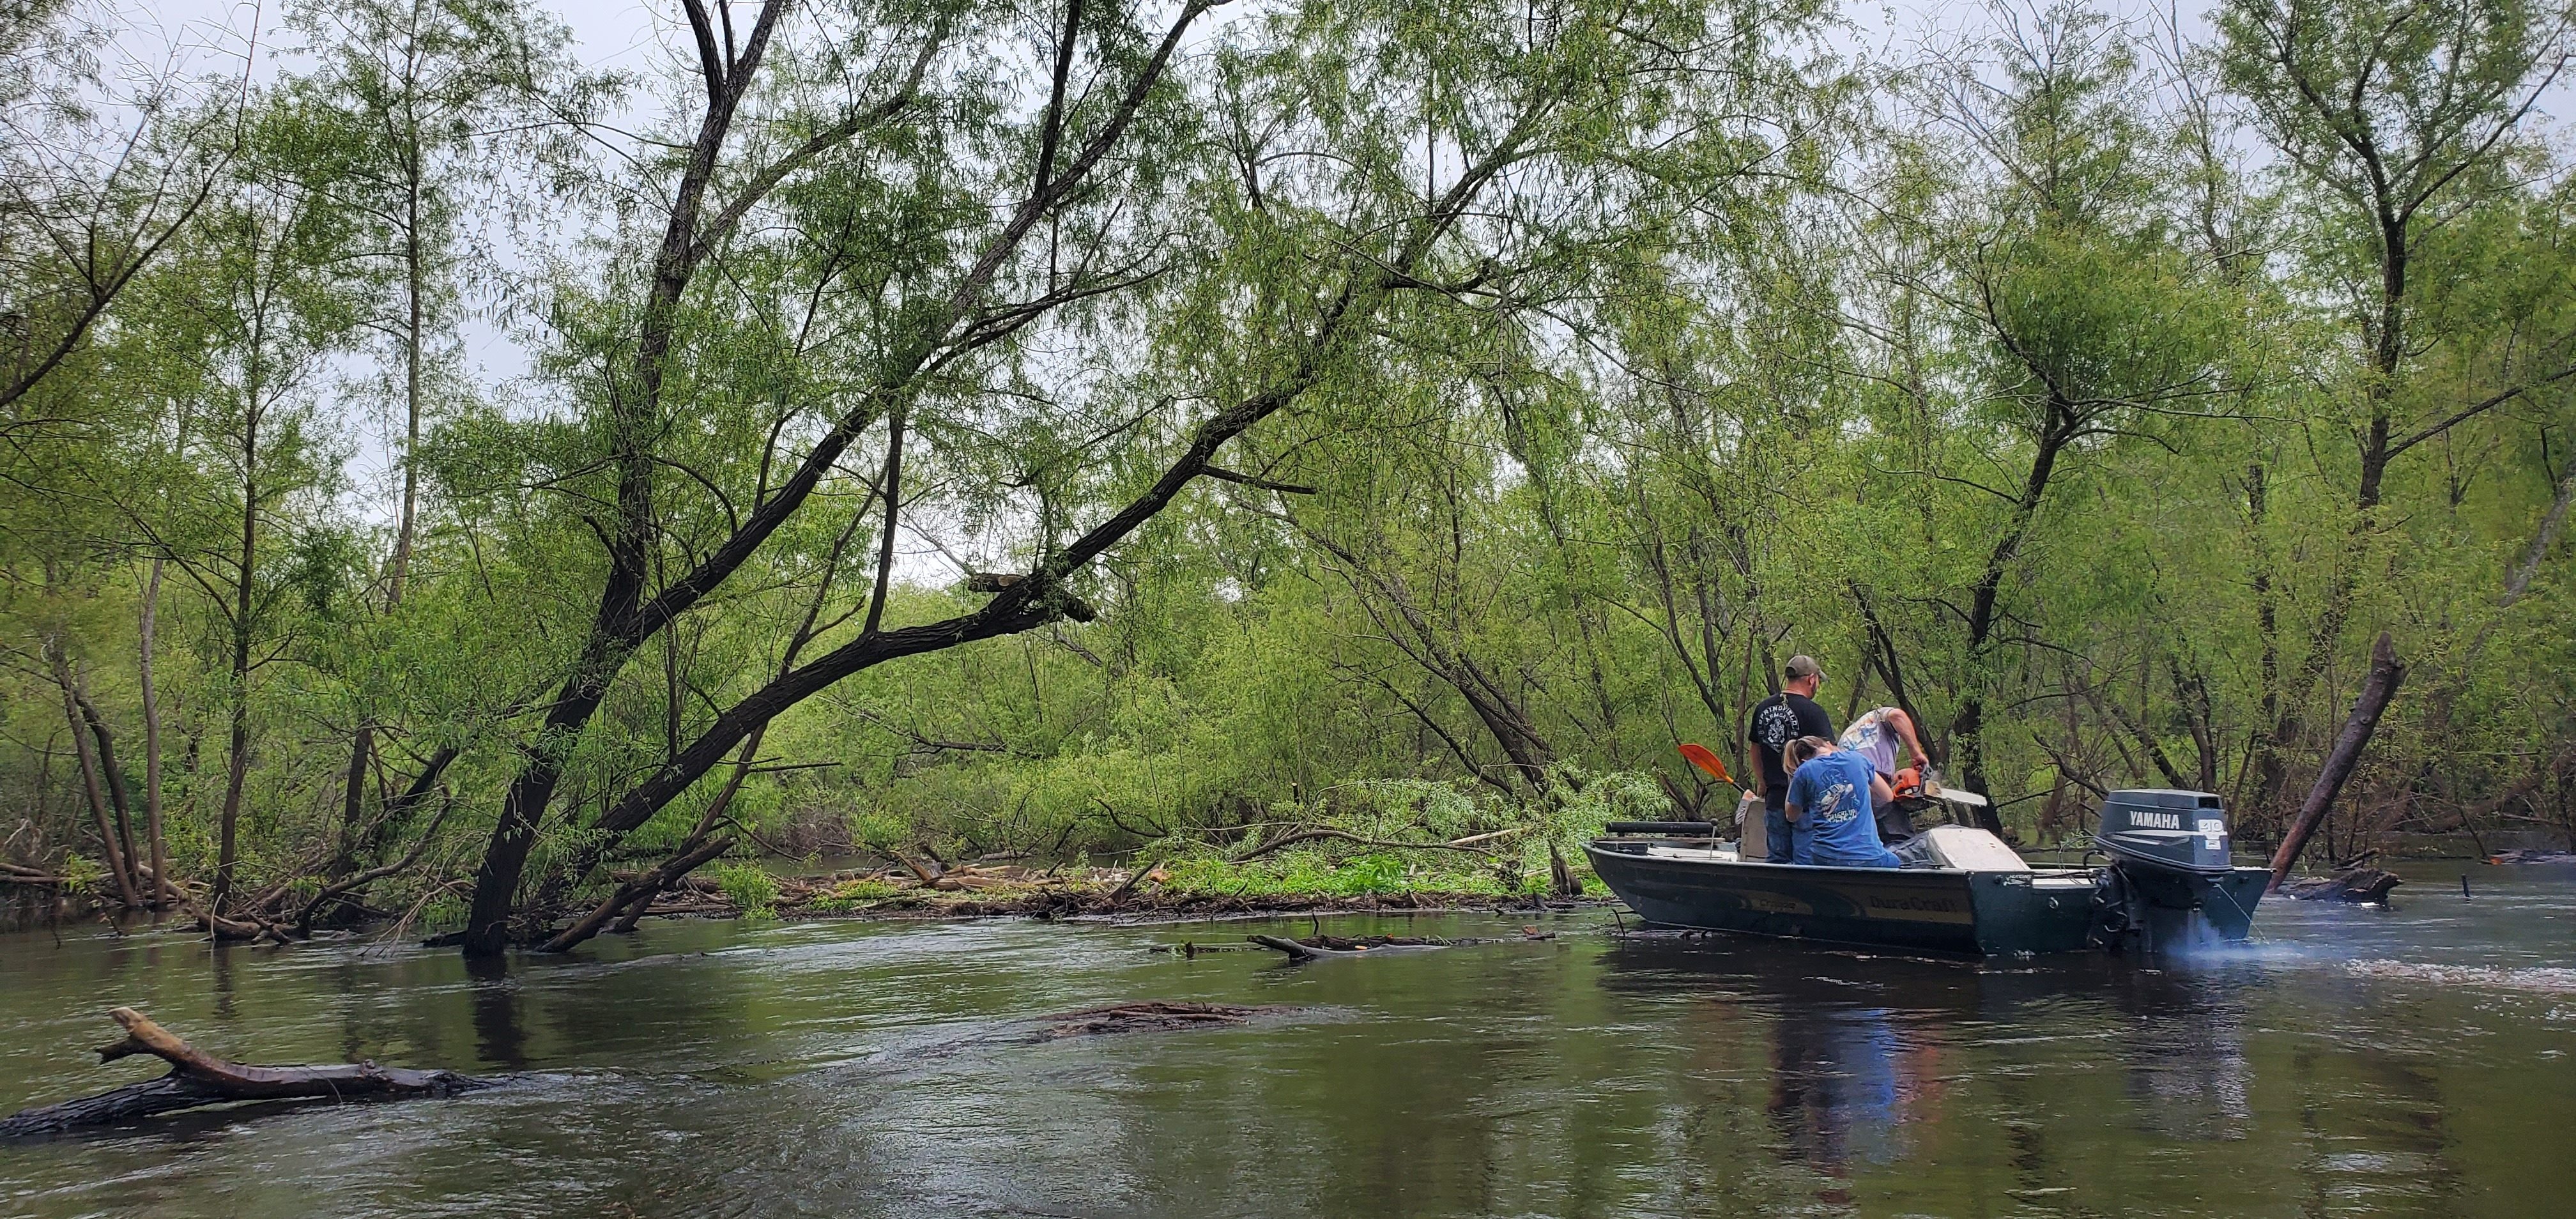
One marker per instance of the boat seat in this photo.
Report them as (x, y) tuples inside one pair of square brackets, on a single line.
[(1960, 847)]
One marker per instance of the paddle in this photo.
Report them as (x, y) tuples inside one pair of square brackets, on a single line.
[(1699, 756)]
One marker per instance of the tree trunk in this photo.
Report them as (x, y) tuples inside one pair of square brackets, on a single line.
[(111, 773), (353, 792), (245, 576), (1967, 726), (117, 864), (2376, 690), (161, 886), (236, 773)]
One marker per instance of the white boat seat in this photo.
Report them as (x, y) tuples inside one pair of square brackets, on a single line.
[(1963, 848)]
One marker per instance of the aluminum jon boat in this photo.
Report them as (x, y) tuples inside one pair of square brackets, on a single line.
[(2168, 883)]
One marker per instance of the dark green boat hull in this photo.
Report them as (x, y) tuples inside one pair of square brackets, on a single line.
[(1933, 911)]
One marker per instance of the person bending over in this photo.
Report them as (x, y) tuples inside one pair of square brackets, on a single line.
[(1833, 793), (1776, 721), (1875, 736)]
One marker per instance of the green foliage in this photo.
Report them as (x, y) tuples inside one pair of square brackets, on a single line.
[(852, 895), (2026, 399), (749, 886)]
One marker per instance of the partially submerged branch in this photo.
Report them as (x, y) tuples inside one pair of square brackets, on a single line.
[(197, 1078)]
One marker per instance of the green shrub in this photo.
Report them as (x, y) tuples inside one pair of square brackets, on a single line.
[(852, 894), (749, 886)]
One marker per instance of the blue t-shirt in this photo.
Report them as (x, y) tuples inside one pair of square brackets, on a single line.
[(1835, 829)]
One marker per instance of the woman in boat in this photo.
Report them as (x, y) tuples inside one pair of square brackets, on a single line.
[(1833, 796)]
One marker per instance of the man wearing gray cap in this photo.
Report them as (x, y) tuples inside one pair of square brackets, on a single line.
[(1776, 721)]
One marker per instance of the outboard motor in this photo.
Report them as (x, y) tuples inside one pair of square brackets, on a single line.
[(2171, 880)]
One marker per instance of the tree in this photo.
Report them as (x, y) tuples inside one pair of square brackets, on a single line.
[(257, 300), (408, 103), (2405, 117)]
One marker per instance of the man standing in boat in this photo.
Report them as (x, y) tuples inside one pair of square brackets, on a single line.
[(1875, 736), (1833, 795), (1776, 721)]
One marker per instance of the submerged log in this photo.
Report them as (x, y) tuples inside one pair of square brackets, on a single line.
[(197, 1078), (1151, 1016), (1337, 946), (2360, 886)]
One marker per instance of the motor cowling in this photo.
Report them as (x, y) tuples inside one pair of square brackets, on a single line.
[(2169, 868), (2159, 829)]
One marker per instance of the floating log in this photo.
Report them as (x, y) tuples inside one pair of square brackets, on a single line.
[(2360, 886), (196, 1078)]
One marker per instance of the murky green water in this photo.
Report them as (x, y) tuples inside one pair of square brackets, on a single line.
[(2414, 1062)]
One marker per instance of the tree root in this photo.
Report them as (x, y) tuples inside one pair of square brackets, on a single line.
[(196, 1078)]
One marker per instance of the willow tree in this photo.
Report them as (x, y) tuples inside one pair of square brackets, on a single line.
[(2078, 327), (1064, 334), (419, 109), (246, 316), (837, 122), (2400, 119)]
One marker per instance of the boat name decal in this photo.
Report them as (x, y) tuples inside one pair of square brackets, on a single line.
[(1939, 905)]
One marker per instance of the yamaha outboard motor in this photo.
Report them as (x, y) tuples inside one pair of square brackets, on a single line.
[(2171, 881)]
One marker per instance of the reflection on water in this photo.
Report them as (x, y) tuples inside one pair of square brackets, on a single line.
[(1841, 1077), (839, 1069), (498, 1038)]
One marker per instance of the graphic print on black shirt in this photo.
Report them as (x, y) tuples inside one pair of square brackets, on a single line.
[(1776, 721)]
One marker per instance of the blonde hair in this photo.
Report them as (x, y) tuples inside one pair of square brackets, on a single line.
[(1796, 753)]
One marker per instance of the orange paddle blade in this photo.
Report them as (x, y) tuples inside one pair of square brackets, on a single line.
[(1700, 757)]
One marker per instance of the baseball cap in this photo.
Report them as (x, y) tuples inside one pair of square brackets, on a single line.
[(1803, 665)]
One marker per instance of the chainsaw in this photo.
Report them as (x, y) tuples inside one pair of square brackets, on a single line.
[(1923, 782)]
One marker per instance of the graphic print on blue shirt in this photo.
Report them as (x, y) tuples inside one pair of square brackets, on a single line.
[(1835, 829)]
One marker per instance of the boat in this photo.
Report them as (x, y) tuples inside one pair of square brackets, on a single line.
[(2166, 881)]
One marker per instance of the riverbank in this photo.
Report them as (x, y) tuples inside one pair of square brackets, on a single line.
[(1186, 890)]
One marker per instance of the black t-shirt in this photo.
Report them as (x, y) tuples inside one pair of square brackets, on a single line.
[(1776, 721)]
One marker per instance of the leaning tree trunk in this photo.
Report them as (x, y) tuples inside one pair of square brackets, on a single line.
[(112, 774), (196, 1078), (118, 865), (2376, 690)]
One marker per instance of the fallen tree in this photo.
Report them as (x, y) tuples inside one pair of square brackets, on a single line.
[(196, 1078), (2376, 689)]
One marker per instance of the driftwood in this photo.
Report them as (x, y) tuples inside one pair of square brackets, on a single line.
[(2360, 886), (196, 1078)]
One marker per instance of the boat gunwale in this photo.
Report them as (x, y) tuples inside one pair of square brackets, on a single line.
[(2034, 871)]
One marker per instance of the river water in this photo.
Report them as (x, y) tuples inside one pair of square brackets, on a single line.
[(2415, 1061)]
